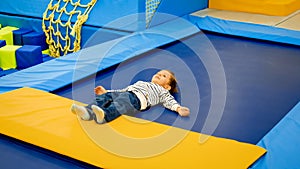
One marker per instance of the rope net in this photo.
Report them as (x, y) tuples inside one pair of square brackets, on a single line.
[(62, 22), (151, 6)]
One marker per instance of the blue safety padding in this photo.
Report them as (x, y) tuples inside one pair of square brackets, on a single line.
[(28, 55), (121, 14), (248, 30), (7, 72), (2, 43), (282, 143), (17, 35), (59, 72), (35, 38), (47, 58)]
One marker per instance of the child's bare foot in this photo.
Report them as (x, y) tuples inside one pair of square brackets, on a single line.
[(99, 113), (81, 111)]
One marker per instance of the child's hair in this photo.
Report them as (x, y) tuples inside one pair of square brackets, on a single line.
[(173, 82)]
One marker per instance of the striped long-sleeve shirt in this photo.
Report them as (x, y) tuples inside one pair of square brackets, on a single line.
[(151, 94)]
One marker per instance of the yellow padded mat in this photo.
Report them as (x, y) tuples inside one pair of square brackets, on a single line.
[(266, 7), (44, 119)]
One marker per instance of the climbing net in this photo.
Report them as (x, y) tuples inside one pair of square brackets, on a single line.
[(151, 6), (62, 22)]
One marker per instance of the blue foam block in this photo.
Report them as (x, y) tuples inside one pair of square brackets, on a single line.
[(35, 38), (17, 35), (2, 43), (28, 55)]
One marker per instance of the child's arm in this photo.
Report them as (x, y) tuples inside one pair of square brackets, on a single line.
[(183, 111), (100, 90), (169, 102)]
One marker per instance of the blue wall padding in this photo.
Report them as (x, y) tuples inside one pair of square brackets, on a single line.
[(28, 55), (282, 143), (249, 30), (35, 38), (65, 70), (120, 14), (170, 9), (21, 22), (2, 43), (86, 33), (17, 35)]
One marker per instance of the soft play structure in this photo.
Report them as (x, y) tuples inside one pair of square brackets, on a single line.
[(236, 62)]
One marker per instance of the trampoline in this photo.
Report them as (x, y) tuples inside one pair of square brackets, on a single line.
[(256, 97), (255, 102)]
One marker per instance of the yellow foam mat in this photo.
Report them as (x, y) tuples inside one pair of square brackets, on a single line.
[(44, 119), (266, 7)]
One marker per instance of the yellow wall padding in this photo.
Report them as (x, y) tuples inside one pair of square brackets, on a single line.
[(266, 7), (44, 119), (8, 57)]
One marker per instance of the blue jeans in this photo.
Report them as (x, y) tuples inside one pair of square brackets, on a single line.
[(115, 104)]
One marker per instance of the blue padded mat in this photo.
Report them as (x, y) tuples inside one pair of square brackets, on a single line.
[(282, 143), (248, 30), (255, 100), (62, 71)]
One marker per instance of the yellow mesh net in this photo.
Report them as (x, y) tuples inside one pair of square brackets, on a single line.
[(63, 35), (151, 6)]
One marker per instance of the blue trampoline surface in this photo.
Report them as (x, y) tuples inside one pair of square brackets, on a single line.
[(262, 83)]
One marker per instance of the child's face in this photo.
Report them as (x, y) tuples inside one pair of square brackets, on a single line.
[(162, 78)]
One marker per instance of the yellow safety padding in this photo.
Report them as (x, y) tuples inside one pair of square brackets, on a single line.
[(266, 7), (44, 119), (8, 57)]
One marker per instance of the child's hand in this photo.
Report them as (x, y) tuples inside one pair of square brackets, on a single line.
[(183, 111), (100, 90)]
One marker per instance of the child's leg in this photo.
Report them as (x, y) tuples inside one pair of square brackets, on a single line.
[(83, 112), (101, 101), (121, 104), (104, 100), (99, 114)]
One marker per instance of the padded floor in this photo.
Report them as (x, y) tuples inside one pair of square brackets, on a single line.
[(44, 119)]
